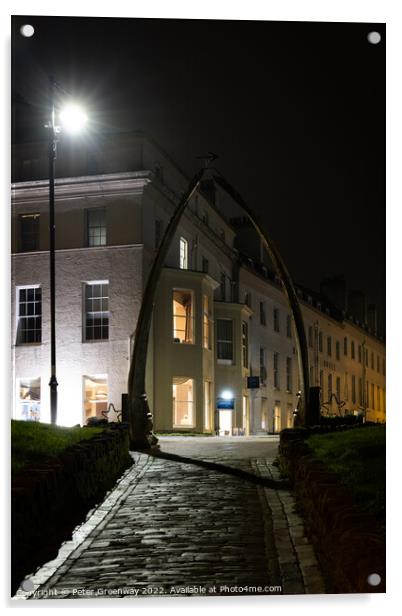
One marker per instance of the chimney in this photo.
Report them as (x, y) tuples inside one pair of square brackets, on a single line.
[(357, 306), (333, 289)]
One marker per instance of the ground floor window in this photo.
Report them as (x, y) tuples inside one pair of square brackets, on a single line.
[(96, 393), (264, 414), (290, 416), (183, 402), (277, 417), (207, 405), (29, 399)]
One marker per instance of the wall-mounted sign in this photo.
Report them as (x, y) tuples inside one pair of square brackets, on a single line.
[(253, 382), (225, 403)]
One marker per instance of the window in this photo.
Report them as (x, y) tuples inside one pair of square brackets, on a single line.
[(183, 253), (205, 265), (361, 391), (247, 299), (29, 326), (353, 389), (96, 310), (345, 346), (207, 405), (158, 233), (206, 323), (29, 399), (289, 326), (338, 388), (372, 395), (329, 386), (310, 337), (366, 357), (223, 286), (183, 402), (224, 342), (96, 227), (263, 316), (337, 350), (329, 345), (352, 349), (276, 319), (29, 232), (277, 416), (378, 398), (183, 316), (359, 353), (244, 343), (378, 364), (346, 387), (320, 342), (276, 370), (263, 368), (372, 360), (288, 374), (383, 366), (322, 384), (95, 396)]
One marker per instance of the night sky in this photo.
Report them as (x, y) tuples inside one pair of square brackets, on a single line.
[(296, 112)]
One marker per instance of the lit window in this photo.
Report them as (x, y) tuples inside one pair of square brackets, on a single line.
[(276, 319), (277, 416), (183, 402), (95, 396), (289, 418), (244, 343), (183, 316), (288, 374), (96, 227), (29, 328), (29, 232), (224, 340), (207, 405), (183, 253), (276, 370), (206, 324), (96, 326), (29, 399)]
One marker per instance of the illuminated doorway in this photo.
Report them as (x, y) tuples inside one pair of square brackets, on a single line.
[(96, 393)]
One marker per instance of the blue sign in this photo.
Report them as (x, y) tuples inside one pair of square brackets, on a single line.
[(223, 403)]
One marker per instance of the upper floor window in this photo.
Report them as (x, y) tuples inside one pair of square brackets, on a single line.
[(288, 374), (183, 316), (329, 386), (223, 286), (224, 340), (244, 343), (96, 326), (29, 327), (276, 370), (338, 350), (205, 265), (29, 232), (345, 346), (96, 226), (183, 253), (352, 349), (263, 368), (276, 319), (359, 353), (247, 299), (320, 342), (372, 360), (289, 326), (329, 345), (378, 363), (263, 316), (206, 323)]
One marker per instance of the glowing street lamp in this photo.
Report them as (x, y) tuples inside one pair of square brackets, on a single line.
[(72, 119)]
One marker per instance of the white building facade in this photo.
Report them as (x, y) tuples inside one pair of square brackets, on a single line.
[(220, 316)]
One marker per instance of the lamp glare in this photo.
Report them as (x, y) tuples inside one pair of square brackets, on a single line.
[(73, 118), (227, 394)]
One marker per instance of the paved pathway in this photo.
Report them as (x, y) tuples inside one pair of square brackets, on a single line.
[(174, 528)]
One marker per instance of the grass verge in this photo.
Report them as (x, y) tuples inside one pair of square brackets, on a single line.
[(357, 457), (32, 442)]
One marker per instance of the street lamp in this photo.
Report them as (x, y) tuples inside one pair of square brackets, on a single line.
[(72, 119)]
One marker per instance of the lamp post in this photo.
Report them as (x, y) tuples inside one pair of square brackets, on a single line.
[(72, 119)]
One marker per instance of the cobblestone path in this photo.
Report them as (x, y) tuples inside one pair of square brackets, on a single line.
[(177, 528)]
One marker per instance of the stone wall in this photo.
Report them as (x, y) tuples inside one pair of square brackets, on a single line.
[(49, 499), (348, 541)]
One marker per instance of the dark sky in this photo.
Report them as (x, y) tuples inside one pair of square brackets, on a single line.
[(296, 112)]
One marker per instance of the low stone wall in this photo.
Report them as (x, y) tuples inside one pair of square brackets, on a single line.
[(51, 498), (348, 541)]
